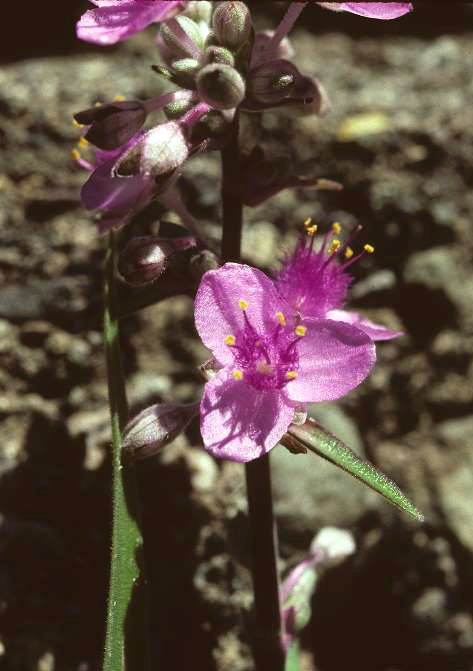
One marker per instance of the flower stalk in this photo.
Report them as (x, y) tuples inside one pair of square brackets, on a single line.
[(126, 640), (268, 651)]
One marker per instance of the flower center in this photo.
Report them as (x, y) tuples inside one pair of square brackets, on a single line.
[(265, 361)]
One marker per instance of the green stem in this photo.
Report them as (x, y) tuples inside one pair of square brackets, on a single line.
[(267, 640), (127, 624)]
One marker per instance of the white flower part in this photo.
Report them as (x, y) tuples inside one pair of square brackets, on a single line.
[(164, 149), (335, 543)]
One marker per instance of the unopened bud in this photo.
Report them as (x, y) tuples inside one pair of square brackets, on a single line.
[(155, 427), (172, 38), (161, 150), (216, 54), (232, 24), (221, 86), (199, 10), (185, 66), (178, 108), (273, 83), (334, 543), (145, 258), (113, 124)]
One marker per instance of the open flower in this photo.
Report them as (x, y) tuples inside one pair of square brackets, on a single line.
[(115, 20), (271, 361), (315, 281), (373, 10)]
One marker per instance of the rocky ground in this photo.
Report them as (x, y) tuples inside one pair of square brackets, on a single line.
[(399, 138)]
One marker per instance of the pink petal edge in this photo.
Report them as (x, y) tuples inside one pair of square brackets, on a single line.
[(373, 330), (240, 423)]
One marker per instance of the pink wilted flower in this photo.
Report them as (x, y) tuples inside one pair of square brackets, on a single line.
[(315, 281), (373, 10), (115, 20), (271, 361)]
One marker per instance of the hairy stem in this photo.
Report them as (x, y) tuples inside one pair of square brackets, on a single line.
[(267, 640), (127, 625)]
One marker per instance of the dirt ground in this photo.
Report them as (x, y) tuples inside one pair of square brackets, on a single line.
[(399, 137)]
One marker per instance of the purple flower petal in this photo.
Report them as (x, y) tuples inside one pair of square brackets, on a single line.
[(217, 310), (372, 10), (241, 423), (334, 357), (115, 20), (374, 331)]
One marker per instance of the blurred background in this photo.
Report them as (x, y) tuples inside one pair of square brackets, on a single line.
[(399, 137)]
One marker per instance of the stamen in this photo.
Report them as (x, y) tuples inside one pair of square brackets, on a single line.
[(98, 104), (243, 304), (312, 230), (75, 154), (76, 124), (291, 374), (336, 228), (369, 249), (119, 98), (334, 246), (300, 330), (281, 318), (83, 142), (230, 340), (238, 374), (348, 253), (308, 223)]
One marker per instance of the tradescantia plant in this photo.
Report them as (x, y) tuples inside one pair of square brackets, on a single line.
[(276, 343)]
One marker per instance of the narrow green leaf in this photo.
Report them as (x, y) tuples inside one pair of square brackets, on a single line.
[(126, 634), (317, 439), (292, 658)]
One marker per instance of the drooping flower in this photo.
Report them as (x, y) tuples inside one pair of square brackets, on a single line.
[(115, 20), (271, 362), (315, 281), (127, 179), (372, 10)]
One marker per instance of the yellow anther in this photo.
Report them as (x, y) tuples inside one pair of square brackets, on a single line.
[(98, 104), (308, 223), (238, 374), (243, 304), (300, 330), (369, 249), (336, 228), (230, 340), (281, 318), (334, 246), (75, 155), (348, 252), (291, 374), (83, 142), (312, 230), (119, 98), (76, 124)]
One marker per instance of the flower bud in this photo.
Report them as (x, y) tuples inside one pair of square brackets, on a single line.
[(334, 543), (185, 65), (273, 83), (145, 258), (216, 54), (113, 124), (199, 10), (178, 108), (155, 427), (221, 86), (172, 38), (232, 24), (161, 150)]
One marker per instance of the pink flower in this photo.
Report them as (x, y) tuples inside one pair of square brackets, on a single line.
[(315, 282), (272, 362), (373, 10), (115, 20)]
